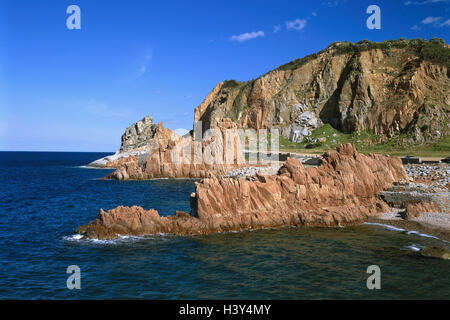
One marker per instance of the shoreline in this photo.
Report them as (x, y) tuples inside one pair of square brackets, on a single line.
[(433, 224)]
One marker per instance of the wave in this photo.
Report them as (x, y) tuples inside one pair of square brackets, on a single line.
[(412, 232), (422, 234), (386, 226), (92, 167), (120, 239), (414, 247)]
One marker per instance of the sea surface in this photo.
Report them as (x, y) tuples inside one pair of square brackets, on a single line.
[(45, 196)]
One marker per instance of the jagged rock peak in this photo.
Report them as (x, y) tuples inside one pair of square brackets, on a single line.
[(138, 134)]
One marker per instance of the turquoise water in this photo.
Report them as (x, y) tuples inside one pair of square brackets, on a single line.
[(46, 196)]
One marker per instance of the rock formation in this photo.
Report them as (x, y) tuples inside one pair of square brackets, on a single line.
[(139, 140), (186, 157), (414, 210), (388, 88), (417, 198), (343, 190), (138, 135)]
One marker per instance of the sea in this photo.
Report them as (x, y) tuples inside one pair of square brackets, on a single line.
[(46, 196)]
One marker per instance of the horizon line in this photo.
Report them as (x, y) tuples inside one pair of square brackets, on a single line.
[(57, 151)]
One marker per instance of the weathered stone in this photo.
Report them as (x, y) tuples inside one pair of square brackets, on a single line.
[(177, 158), (384, 92), (138, 134), (414, 210), (343, 190)]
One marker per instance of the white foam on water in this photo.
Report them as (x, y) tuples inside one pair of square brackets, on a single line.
[(414, 247), (385, 225), (421, 234), (94, 168), (120, 239), (73, 237), (389, 227)]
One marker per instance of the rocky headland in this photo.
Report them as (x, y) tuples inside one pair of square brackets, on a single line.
[(396, 89), (169, 158), (386, 89), (390, 90), (140, 139), (342, 190)]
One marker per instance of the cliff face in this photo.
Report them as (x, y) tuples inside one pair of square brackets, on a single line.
[(182, 157), (343, 190), (386, 88)]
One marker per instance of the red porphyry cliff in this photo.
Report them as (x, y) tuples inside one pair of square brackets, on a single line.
[(342, 191)]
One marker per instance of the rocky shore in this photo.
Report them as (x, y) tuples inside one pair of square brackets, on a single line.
[(430, 174), (423, 203), (342, 191)]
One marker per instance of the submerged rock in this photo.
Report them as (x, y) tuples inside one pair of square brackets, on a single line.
[(343, 190), (435, 252)]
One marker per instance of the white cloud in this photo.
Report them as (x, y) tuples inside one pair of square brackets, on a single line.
[(407, 3), (314, 14), (141, 71), (429, 20), (445, 23), (434, 21), (277, 28), (297, 24), (332, 3), (247, 36), (145, 60)]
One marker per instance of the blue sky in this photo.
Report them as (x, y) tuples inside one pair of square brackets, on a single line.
[(77, 90)]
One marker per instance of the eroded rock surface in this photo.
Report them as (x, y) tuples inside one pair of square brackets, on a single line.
[(343, 190), (402, 194), (384, 88), (139, 140), (414, 210), (178, 159), (138, 134)]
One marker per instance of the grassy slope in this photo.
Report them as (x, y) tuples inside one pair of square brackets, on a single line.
[(367, 143)]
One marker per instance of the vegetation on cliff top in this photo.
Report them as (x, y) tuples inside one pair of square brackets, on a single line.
[(366, 142), (433, 50)]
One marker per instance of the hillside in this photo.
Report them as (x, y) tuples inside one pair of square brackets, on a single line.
[(395, 92)]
